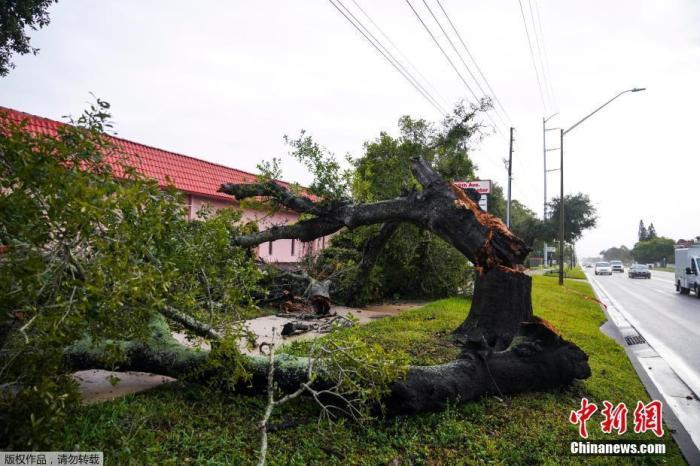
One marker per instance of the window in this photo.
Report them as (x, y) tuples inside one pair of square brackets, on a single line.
[(269, 248), (292, 246)]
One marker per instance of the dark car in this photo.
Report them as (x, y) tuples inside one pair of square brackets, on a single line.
[(639, 271)]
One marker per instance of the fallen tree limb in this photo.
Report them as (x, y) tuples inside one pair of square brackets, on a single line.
[(538, 359), (441, 208), (190, 323)]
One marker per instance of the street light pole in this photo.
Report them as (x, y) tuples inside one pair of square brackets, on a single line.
[(561, 206), (561, 173), (544, 153), (510, 175)]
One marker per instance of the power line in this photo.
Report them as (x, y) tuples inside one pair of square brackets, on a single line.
[(386, 54), (539, 50), (459, 55), (443, 101), (454, 67), (476, 64), (532, 56), (546, 57)]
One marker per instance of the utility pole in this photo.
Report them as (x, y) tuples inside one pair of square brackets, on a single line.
[(544, 211), (561, 207), (510, 176), (544, 154)]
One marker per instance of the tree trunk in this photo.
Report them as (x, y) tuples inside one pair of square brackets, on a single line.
[(500, 304)]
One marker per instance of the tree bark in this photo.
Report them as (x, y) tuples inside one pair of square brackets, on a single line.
[(500, 304)]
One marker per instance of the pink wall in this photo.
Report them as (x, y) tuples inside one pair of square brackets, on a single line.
[(280, 250)]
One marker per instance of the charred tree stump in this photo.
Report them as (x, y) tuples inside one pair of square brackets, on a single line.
[(500, 304)]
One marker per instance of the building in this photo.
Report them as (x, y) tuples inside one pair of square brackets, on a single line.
[(197, 179)]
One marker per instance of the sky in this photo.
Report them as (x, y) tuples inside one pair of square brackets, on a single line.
[(224, 81)]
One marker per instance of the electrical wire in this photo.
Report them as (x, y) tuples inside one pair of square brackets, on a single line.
[(386, 54), (476, 64), (546, 68), (454, 67), (427, 82), (459, 55), (532, 56)]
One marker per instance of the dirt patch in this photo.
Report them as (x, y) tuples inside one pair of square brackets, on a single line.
[(262, 326)]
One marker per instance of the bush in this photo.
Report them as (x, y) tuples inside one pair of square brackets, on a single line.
[(86, 253)]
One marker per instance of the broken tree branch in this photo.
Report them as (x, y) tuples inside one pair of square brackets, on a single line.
[(190, 323)]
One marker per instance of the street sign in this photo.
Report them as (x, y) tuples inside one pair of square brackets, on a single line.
[(481, 186)]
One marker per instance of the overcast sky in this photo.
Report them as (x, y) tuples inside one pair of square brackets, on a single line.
[(224, 81)]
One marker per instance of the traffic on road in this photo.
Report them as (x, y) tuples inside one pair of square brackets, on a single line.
[(661, 314)]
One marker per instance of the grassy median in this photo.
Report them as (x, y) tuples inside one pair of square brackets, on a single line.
[(576, 273), (178, 423)]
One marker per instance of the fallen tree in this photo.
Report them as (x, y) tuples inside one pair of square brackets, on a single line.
[(506, 349)]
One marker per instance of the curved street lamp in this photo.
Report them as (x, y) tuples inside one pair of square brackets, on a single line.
[(561, 173)]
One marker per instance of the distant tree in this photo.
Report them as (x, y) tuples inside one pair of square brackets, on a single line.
[(523, 221), (622, 253), (654, 250), (642, 234), (579, 216), (16, 16), (651, 233)]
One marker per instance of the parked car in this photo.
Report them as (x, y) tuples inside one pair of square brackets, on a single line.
[(603, 268), (617, 266), (639, 271)]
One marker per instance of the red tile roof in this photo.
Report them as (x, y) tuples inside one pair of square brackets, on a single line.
[(187, 174)]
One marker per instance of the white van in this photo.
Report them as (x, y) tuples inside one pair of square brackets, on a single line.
[(688, 270)]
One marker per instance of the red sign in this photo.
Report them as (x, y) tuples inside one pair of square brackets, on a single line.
[(647, 417), (481, 186)]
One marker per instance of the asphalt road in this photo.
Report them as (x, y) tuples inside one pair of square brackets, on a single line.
[(661, 315)]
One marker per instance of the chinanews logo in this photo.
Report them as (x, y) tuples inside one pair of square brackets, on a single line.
[(646, 417)]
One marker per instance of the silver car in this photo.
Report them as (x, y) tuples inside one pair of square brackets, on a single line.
[(603, 268), (617, 266)]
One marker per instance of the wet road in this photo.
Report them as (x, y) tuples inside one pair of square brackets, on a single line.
[(669, 321)]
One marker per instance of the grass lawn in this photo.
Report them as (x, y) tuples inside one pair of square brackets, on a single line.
[(576, 273), (181, 424)]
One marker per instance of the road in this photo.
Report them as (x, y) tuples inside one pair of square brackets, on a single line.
[(667, 320)]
